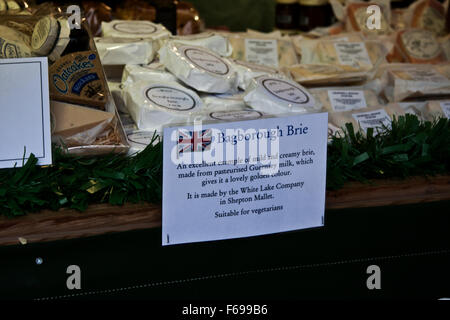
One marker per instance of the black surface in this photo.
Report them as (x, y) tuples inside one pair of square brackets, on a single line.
[(411, 245)]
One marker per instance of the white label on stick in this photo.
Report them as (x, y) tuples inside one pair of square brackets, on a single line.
[(345, 100), (260, 51), (373, 119)]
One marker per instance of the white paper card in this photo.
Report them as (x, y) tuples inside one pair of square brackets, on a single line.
[(213, 189), (24, 111), (346, 100), (262, 51)]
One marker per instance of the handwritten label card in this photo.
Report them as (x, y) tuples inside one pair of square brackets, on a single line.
[(24, 111), (246, 178)]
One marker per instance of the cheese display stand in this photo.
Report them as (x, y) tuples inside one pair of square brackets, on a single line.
[(354, 106)]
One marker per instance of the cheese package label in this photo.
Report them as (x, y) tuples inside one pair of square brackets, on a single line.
[(78, 78), (237, 115), (428, 75), (420, 44), (262, 51), (352, 54), (206, 61), (345, 100), (372, 119)]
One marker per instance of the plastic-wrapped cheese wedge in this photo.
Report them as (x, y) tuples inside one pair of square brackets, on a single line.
[(275, 52), (152, 72), (420, 46), (77, 125), (437, 109), (153, 105), (405, 81), (210, 40), (338, 99), (278, 96), (134, 29), (358, 19), (121, 51), (426, 14), (246, 71), (324, 61), (372, 117), (198, 67), (343, 37)]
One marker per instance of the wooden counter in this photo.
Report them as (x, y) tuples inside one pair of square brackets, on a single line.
[(102, 218)]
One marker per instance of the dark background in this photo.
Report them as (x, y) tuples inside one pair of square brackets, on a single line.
[(411, 245)]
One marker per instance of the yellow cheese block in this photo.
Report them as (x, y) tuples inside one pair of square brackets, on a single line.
[(69, 119)]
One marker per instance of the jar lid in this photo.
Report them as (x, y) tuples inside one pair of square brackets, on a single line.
[(287, 1), (313, 2), (45, 34)]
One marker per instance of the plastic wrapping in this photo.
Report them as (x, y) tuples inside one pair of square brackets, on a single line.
[(327, 61), (246, 71), (152, 72), (210, 40), (372, 117), (406, 81), (426, 14), (270, 50), (419, 46), (355, 16), (121, 51), (437, 109), (134, 29), (153, 105), (198, 67), (224, 102), (338, 99), (274, 96)]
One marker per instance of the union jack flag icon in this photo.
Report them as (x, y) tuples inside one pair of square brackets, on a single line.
[(194, 141)]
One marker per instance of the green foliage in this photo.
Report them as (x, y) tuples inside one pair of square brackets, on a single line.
[(408, 148), (76, 182)]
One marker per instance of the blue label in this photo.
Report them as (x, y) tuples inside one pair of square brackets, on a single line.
[(79, 85)]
